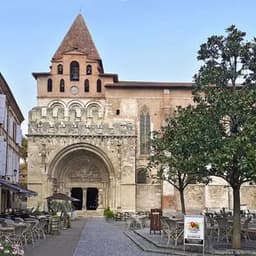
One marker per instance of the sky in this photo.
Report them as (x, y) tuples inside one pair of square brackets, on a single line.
[(140, 40)]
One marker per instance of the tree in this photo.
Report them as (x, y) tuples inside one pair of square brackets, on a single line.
[(225, 90), (177, 151), (24, 149)]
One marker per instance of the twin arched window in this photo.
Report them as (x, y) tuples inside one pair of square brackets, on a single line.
[(144, 132), (98, 85), (60, 69), (74, 71), (49, 85), (86, 86), (88, 69), (62, 85)]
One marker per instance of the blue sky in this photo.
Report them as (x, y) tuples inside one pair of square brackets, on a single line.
[(142, 40)]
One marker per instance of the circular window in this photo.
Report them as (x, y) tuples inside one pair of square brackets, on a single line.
[(74, 90)]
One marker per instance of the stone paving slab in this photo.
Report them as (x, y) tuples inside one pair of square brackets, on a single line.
[(58, 245), (100, 238)]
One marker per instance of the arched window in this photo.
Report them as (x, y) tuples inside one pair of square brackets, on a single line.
[(98, 85), (88, 69), (141, 176), (86, 85), (74, 71), (144, 133), (49, 85), (60, 69), (62, 85)]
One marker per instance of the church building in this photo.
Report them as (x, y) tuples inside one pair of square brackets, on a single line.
[(89, 134)]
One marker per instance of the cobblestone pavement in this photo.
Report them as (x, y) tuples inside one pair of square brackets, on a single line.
[(100, 238)]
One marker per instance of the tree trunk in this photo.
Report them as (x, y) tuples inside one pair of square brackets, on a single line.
[(182, 202), (236, 239)]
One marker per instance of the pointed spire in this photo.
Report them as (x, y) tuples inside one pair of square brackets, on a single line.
[(78, 38)]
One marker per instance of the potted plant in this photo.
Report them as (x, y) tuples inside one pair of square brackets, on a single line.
[(108, 214)]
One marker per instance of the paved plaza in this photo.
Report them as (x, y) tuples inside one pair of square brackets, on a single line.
[(96, 237), (88, 237)]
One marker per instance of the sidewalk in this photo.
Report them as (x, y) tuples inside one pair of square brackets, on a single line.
[(58, 245)]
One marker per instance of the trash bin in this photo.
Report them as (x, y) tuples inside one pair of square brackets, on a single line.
[(155, 223)]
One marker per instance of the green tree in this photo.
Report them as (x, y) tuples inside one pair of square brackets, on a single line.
[(24, 150), (226, 93), (177, 151)]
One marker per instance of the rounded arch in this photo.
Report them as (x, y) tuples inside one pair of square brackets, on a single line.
[(74, 71), (62, 154), (93, 102), (54, 103), (75, 103), (94, 109)]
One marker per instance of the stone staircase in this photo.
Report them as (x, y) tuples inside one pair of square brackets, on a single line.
[(150, 246), (85, 213), (153, 245)]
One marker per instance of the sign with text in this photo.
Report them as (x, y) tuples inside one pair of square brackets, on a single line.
[(193, 227)]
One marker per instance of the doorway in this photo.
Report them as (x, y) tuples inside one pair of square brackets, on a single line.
[(78, 194), (92, 199)]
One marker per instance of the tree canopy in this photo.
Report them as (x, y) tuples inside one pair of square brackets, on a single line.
[(177, 151), (225, 89), (219, 131)]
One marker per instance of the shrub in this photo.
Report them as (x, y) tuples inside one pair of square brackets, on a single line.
[(108, 213)]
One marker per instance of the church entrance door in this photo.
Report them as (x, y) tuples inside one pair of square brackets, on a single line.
[(92, 199), (77, 193)]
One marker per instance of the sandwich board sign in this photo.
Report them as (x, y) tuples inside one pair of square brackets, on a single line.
[(194, 231)]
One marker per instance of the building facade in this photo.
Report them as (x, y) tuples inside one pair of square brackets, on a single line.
[(89, 134), (10, 142)]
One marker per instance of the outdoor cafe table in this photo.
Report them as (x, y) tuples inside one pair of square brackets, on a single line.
[(136, 220), (175, 229)]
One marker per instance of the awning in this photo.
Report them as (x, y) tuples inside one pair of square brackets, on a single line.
[(16, 188)]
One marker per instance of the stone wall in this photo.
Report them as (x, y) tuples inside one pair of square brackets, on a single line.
[(213, 196), (148, 196)]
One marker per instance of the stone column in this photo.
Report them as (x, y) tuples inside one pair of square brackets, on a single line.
[(84, 198), (100, 198)]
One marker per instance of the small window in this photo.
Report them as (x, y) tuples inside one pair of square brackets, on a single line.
[(141, 177), (62, 85), (118, 112), (74, 71), (86, 86), (98, 85), (89, 70), (60, 69), (49, 85)]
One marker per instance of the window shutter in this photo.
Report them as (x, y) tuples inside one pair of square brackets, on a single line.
[(18, 135), (2, 108), (2, 156)]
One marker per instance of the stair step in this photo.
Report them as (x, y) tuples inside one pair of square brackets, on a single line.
[(84, 213), (148, 246)]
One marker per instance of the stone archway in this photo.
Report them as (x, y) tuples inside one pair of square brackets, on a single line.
[(81, 167)]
